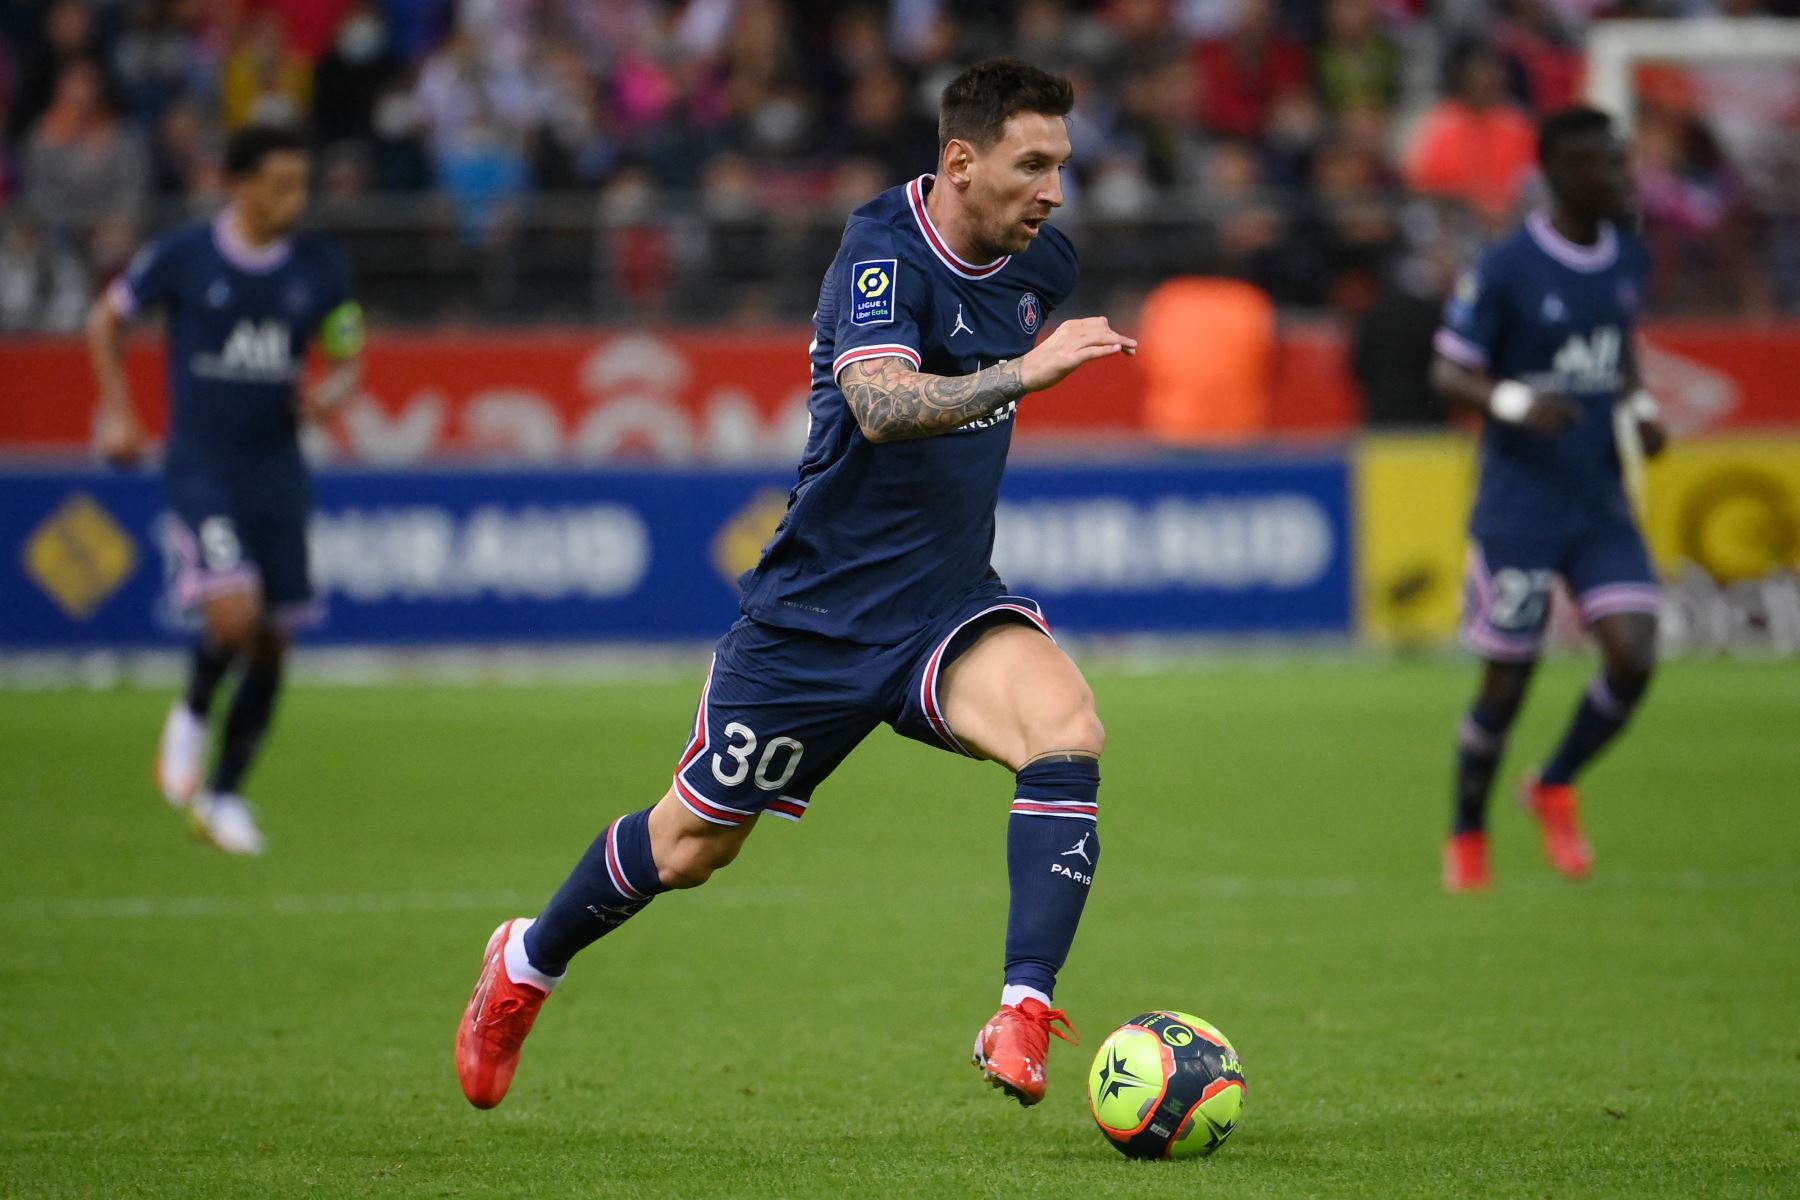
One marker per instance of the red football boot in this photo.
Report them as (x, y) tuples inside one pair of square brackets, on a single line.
[(1012, 1048), (1554, 804), (1466, 862), (499, 1015)]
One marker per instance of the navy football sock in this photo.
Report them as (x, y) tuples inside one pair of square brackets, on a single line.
[(252, 709), (1052, 848), (611, 884), (206, 667), (1604, 709), (1481, 739)]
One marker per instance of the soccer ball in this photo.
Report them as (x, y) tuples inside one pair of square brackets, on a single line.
[(1166, 1085)]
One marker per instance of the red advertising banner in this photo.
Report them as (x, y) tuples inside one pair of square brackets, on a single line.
[(731, 397)]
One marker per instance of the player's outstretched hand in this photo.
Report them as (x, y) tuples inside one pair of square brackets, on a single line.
[(1551, 414), (120, 439), (1068, 346)]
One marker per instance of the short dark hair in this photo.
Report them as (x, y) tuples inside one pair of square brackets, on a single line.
[(249, 146), (1569, 125), (977, 104)]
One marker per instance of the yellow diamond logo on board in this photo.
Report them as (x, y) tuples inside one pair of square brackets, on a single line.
[(740, 541), (80, 556)]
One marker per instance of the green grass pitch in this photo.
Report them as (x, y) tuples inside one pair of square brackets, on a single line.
[(179, 1024)]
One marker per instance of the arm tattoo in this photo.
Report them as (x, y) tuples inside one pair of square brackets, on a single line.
[(893, 402)]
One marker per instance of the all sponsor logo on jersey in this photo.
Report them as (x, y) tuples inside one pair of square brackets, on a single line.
[(873, 282), (256, 352), (1588, 363), (1031, 312)]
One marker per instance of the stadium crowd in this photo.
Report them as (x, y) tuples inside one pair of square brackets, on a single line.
[(1287, 142)]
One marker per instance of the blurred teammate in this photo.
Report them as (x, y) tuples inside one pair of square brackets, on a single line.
[(244, 295), (1540, 339), (875, 601)]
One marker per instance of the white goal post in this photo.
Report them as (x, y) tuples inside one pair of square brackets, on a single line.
[(1615, 48)]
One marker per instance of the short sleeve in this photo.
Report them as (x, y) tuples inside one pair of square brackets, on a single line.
[(338, 281), (882, 301), (340, 317), (148, 282), (1473, 319), (1067, 271)]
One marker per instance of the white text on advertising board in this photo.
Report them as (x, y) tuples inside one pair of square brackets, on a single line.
[(1226, 543), (425, 553)]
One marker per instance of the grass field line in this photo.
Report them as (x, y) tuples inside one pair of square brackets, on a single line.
[(1323, 887)]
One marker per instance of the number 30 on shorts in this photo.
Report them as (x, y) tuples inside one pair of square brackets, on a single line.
[(784, 752)]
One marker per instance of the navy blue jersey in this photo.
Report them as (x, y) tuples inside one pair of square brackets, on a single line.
[(879, 540), (1558, 317), (240, 319)]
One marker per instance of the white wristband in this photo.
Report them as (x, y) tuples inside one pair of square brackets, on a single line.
[(1510, 401), (1643, 405)]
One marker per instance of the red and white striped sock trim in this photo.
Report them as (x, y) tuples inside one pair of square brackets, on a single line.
[(615, 867), (1074, 810)]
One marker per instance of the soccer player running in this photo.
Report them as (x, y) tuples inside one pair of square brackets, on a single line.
[(875, 601), (1539, 338), (244, 295)]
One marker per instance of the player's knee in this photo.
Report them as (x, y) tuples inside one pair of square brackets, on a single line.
[(692, 858), (234, 626), (1629, 668), (1503, 690), (1075, 727)]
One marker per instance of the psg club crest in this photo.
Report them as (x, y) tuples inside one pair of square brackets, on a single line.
[(1031, 313)]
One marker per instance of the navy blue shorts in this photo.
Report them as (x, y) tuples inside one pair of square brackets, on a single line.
[(781, 709), (218, 543), (1511, 580)]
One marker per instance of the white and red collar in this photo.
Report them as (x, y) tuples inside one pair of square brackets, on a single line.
[(1597, 257), (240, 253), (915, 196)]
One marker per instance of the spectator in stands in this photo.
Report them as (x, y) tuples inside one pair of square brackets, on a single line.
[(482, 173), (82, 167), (1358, 63), (152, 62), (1695, 217), (402, 163), (417, 27), (185, 153), (1474, 145), (1156, 103), (1538, 40), (1252, 228), (1246, 73), (464, 92), (882, 124), (43, 284), (309, 28), (69, 36), (263, 80), (350, 76), (575, 145), (1355, 227), (1390, 341)]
